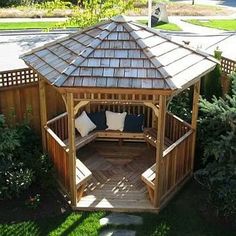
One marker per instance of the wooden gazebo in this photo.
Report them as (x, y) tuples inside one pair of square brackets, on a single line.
[(120, 65)]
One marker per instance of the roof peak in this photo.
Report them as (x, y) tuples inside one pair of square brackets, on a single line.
[(120, 19)]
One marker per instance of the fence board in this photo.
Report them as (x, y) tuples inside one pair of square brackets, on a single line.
[(19, 94)]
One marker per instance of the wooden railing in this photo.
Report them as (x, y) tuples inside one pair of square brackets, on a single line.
[(58, 152), (177, 164), (175, 127), (59, 125)]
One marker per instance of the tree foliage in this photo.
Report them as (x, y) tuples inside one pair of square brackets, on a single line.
[(181, 105), (10, 3), (217, 132), (94, 11), (211, 85)]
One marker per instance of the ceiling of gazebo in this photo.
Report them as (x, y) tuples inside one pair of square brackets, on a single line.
[(119, 54)]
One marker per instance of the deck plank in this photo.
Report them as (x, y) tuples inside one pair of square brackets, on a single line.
[(116, 176)]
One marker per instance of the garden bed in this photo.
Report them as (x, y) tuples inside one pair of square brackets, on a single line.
[(51, 203)]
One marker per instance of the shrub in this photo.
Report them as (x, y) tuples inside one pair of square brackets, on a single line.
[(181, 105), (14, 175), (211, 83), (21, 160), (217, 132)]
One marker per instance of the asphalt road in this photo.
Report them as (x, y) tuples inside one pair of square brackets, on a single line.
[(13, 45), (226, 3)]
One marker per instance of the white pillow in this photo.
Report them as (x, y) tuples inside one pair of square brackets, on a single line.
[(115, 121), (83, 124)]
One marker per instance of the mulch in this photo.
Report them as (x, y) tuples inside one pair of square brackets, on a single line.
[(52, 203)]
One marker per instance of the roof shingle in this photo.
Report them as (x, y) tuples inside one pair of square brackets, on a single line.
[(118, 54)]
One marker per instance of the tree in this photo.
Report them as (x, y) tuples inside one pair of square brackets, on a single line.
[(217, 132), (211, 85), (96, 10)]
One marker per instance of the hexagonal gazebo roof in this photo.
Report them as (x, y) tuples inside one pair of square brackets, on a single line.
[(119, 54)]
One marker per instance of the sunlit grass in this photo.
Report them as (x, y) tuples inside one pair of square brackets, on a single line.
[(229, 25), (79, 224), (31, 25)]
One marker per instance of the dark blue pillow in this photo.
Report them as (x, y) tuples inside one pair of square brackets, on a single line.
[(99, 119), (134, 123)]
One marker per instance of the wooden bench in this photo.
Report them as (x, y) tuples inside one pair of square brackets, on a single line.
[(83, 174), (107, 135), (150, 136), (148, 178)]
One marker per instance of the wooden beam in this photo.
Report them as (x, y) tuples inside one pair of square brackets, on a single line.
[(153, 106), (196, 95), (72, 151), (115, 90), (43, 111), (80, 105), (159, 151)]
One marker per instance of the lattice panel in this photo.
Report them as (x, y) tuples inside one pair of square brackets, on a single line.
[(17, 77), (227, 65)]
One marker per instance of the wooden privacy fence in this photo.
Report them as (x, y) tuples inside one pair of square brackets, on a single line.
[(227, 65), (19, 94)]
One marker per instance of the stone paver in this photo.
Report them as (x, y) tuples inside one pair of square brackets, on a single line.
[(117, 232), (121, 219)]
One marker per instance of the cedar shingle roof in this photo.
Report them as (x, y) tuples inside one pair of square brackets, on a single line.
[(118, 54)]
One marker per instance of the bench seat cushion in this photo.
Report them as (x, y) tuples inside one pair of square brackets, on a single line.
[(99, 119), (134, 123)]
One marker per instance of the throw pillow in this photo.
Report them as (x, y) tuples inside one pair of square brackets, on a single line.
[(115, 121), (99, 119), (84, 125), (134, 123)]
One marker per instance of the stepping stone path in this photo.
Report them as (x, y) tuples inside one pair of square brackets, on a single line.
[(117, 232), (120, 219)]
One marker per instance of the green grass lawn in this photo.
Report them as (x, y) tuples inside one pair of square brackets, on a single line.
[(49, 25), (185, 215), (30, 25), (229, 25), (162, 25)]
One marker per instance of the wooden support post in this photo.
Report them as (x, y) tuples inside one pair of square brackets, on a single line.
[(43, 111), (72, 151), (159, 151), (196, 95)]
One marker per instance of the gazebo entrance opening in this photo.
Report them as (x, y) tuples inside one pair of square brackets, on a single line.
[(116, 171)]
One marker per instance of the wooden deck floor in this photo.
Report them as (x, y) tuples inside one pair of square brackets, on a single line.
[(116, 183)]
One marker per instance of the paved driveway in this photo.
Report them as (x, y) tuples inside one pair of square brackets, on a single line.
[(226, 3), (13, 45)]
